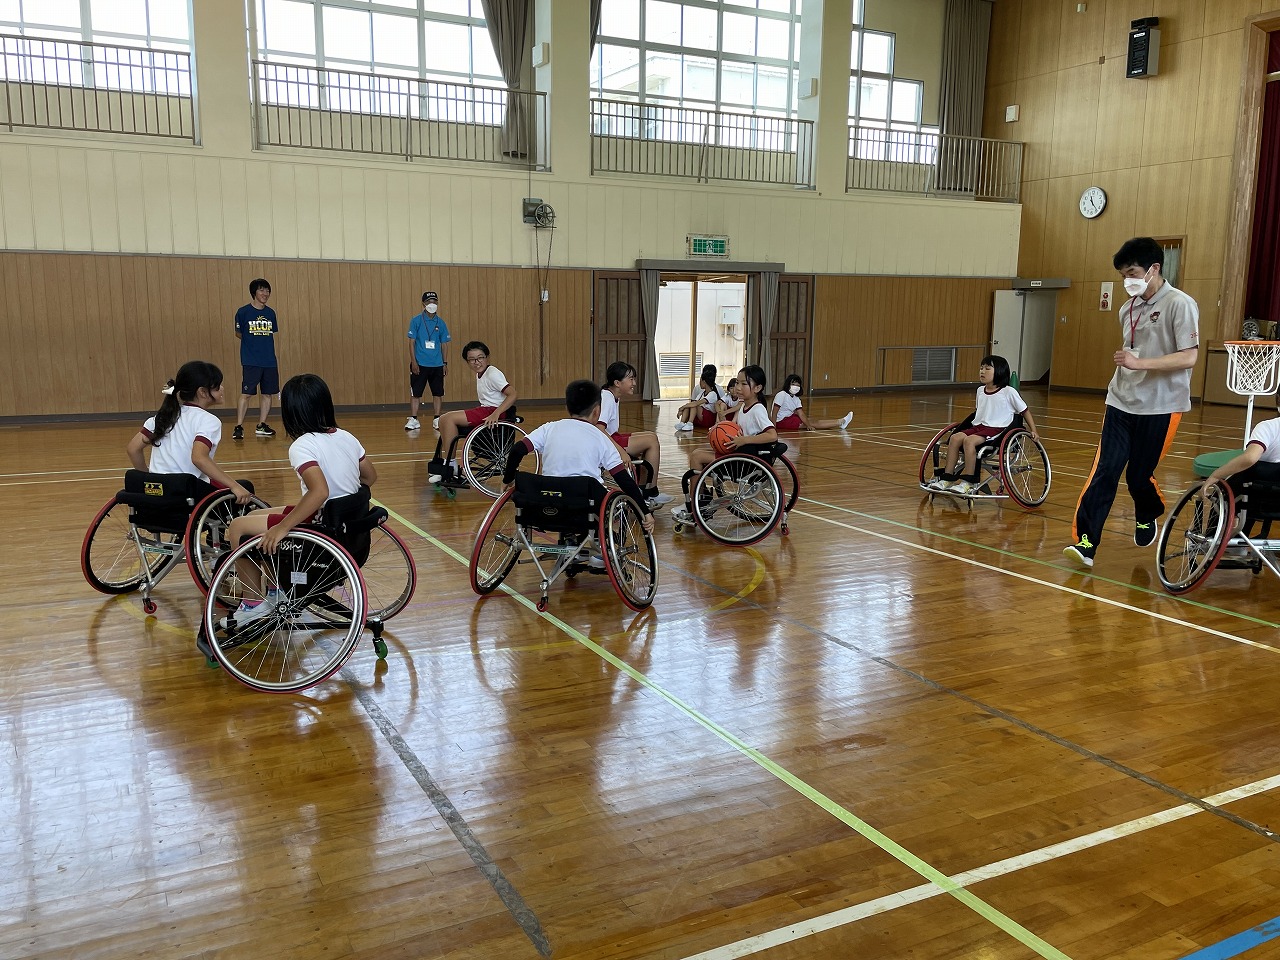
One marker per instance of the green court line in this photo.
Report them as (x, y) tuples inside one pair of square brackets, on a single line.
[(885, 843)]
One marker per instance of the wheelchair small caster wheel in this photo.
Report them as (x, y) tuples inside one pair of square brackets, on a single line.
[(784, 528), (380, 648), (148, 607), (542, 605)]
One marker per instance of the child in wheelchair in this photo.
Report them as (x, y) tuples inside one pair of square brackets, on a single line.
[(620, 381), (1260, 459), (330, 464), (997, 404), (495, 395), (183, 435)]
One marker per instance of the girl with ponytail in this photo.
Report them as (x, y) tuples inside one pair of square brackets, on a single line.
[(184, 435)]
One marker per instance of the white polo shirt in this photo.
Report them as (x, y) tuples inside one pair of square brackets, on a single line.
[(173, 453)]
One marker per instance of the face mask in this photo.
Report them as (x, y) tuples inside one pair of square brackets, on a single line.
[(431, 308), (1134, 286), (794, 389)]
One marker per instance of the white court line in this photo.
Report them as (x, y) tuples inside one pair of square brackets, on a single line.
[(1001, 868)]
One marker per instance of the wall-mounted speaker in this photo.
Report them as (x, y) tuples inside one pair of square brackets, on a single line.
[(1143, 57)]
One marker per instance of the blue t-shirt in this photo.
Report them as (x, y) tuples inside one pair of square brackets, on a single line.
[(257, 328), (425, 329)]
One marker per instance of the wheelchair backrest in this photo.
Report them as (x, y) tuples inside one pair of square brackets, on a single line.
[(160, 501), (559, 504), (349, 520)]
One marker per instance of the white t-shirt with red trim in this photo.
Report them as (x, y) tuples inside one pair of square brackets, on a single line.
[(754, 420), (1267, 435), (997, 409), (608, 412), (787, 404), (574, 448), (173, 453), (336, 452), (489, 387)]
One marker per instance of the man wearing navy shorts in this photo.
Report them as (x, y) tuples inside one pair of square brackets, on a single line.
[(256, 330)]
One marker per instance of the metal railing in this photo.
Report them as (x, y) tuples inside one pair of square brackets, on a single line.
[(940, 165), (702, 144), (323, 109), (96, 88)]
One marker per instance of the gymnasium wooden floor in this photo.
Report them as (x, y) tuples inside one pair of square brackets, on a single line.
[(909, 729)]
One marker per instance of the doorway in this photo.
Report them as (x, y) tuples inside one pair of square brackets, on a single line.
[(701, 320), (1022, 332)]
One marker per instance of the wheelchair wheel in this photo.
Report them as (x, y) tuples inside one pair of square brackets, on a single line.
[(390, 576), (484, 455), (207, 533), (934, 457), (109, 555), (315, 623), (629, 553), (1024, 469), (1195, 536), (497, 546), (790, 482), (738, 500)]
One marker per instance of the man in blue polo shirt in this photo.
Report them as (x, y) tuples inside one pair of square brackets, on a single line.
[(256, 330), (428, 358)]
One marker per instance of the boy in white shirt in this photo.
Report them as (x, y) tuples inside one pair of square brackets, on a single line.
[(495, 395)]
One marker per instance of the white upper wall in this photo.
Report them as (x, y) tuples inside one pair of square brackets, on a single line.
[(63, 192)]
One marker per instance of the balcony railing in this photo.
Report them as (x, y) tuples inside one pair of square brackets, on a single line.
[(940, 165), (96, 88), (701, 144), (322, 109)]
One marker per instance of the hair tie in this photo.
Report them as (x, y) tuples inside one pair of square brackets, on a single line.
[(168, 388)]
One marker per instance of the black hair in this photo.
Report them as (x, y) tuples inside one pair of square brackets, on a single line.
[(474, 345), (792, 378), (1000, 366), (1140, 251), (306, 406), (755, 374), (708, 379), (581, 397), (192, 375), (618, 370), (257, 285)]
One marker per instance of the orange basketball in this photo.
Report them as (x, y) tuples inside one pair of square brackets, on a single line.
[(721, 434)]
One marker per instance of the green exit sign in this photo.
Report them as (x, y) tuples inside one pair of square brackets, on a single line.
[(703, 245)]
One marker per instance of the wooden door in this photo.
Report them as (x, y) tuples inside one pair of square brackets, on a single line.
[(618, 321), (792, 331)]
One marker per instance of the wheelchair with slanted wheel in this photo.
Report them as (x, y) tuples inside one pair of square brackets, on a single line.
[(740, 497), (566, 525), (1012, 465), (1220, 525), (328, 581), (484, 456), (146, 529)]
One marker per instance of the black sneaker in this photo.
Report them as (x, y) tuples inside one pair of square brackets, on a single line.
[(264, 431), (1144, 534), (1081, 551), (237, 433)]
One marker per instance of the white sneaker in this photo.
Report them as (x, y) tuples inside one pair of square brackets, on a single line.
[(247, 613), (659, 499), (686, 427), (412, 424), (963, 487), (435, 424), (844, 421), (682, 515), (434, 478), (937, 483)]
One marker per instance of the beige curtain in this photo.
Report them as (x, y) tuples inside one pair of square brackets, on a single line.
[(965, 36), (508, 22)]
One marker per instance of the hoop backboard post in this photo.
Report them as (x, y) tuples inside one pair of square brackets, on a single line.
[(1253, 370)]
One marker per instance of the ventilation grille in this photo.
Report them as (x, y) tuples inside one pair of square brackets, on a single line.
[(933, 365), (676, 364)]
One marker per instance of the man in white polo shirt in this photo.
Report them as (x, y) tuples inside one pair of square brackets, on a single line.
[(1148, 395)]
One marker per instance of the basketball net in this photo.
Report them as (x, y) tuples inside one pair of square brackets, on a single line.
[(1253, 370)]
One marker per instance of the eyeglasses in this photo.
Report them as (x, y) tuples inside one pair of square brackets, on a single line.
[(476, 359)]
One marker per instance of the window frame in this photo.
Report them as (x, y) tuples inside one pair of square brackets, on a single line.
[(901, 141)]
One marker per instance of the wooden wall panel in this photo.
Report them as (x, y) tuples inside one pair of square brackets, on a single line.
[(853, 316), (111, 329)]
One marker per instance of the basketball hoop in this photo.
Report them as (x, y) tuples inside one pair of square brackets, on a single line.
[(1253, 370)]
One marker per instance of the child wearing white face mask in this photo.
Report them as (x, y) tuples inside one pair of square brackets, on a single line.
[(788, 409)]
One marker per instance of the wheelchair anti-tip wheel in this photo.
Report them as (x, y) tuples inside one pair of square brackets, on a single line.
[(737, 500), (317, 617), (497, 546), (484, 455), (629, 553), (1194, 536), (109, 556), (1024, 469), (206, 537)]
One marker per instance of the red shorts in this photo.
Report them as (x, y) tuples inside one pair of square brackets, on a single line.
[(477, 415), (622, 439), (275, 518), (792, 422), (984, 431), (704, 418)]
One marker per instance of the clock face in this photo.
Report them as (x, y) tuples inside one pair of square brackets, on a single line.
[(1092, 202)]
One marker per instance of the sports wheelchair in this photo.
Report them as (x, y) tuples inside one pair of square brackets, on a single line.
[(741, 496), (1219, 525), (1012, 464), (331, 579), (484, 456), (142, 532), (574, 524)]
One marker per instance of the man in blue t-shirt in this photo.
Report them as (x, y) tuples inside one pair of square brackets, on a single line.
[(428, 358), (256, 330)]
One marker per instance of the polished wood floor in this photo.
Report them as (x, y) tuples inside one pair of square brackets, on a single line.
[(909, 729)]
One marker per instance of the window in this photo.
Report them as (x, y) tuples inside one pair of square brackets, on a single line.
[(155, 24), (742, 55), (446, 40), (885, 109)]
